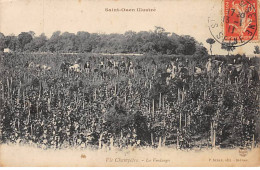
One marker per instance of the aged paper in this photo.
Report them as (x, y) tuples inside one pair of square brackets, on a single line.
[(116, 83)]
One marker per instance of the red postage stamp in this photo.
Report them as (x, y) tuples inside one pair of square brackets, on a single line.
[(240, 20)]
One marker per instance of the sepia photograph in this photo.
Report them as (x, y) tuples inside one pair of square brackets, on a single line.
[(120, 83)]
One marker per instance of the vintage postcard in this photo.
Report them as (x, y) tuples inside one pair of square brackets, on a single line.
[(121, 83)]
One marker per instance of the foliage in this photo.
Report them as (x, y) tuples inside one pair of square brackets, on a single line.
[(257, 51), (228, 46), (210, 41), (94, 106), (23, 39), (156, 42)]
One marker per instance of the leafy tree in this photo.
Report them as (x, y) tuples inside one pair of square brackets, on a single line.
[(11, 42), (53, 42), (129, 43), (157, 42), (159, 30), (67, 42), (257, 50), (37, 44), (32, 33), (227, 46), (200, 51), (2, 41), (189, 44), (82, 42), (23, 39), (210, 41), (180, 49), (148, 47)]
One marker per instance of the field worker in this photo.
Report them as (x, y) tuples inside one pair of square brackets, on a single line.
[(75, 67), (209, 65), (101, 64), (209, 69), (220, 68)]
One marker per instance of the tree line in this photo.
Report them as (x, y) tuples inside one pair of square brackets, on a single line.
[(156, 42)]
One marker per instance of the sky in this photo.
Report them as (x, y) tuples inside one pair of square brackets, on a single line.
[(183, 17)]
